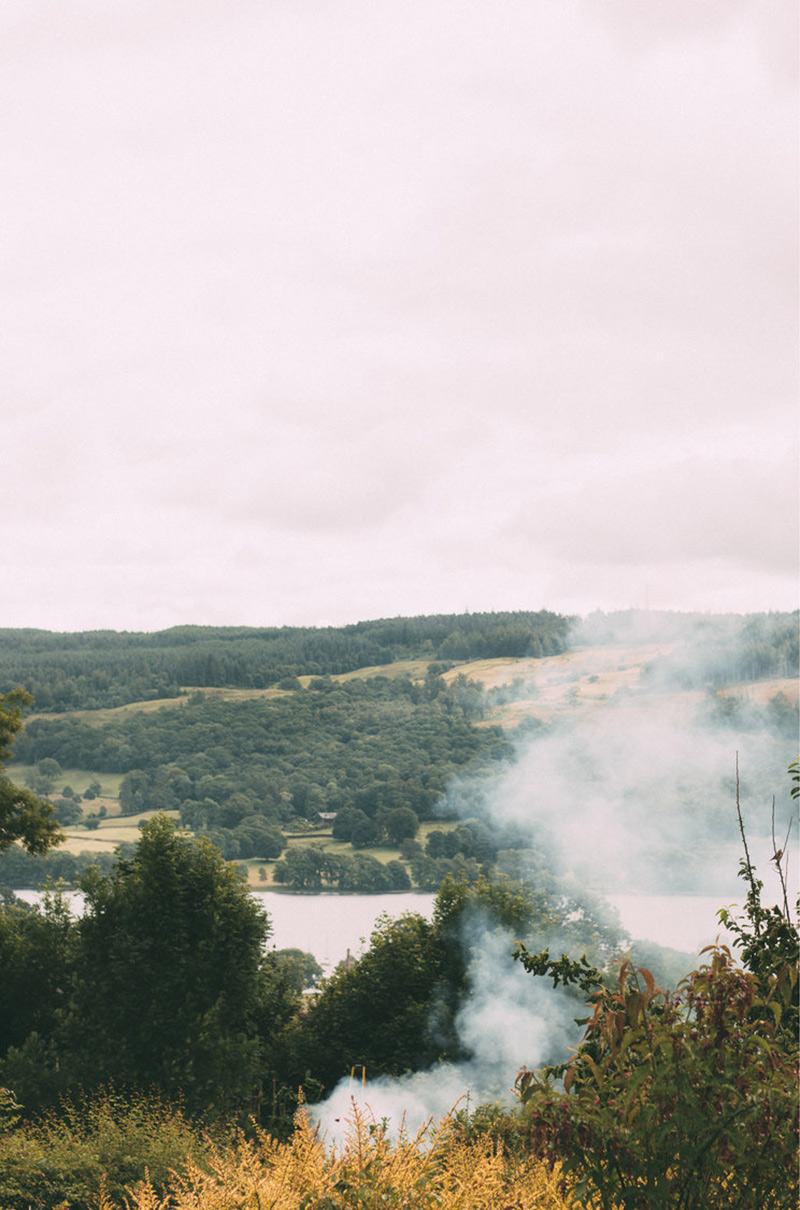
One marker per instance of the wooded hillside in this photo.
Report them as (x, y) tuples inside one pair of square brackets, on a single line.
[(95, 669)]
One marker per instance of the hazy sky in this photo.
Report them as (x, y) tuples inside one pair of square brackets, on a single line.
[(321, 310)]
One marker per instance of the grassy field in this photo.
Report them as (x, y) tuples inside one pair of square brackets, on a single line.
[(417, 670), (110, 832), (78, 780), (323, 839)]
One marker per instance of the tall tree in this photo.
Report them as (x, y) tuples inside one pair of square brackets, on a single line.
[(172, 981)]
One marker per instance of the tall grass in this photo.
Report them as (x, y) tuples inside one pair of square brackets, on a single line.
[(107, 1150)]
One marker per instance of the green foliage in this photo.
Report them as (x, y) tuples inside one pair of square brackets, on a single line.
[(302, 968), (684, 1099), (400, 824), (10, 1110), (24, 816), (43, 777), (67, 811), (680, 1099), (308, 868), (794, 774), (18, 868), (374, 1013), (393, 1010), (37, 954), (766, 936), (375, 746)]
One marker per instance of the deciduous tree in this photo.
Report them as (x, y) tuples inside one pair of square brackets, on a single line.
[(171, 978)]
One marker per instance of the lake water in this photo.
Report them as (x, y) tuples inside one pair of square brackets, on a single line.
[(325, 925), (330, 925)]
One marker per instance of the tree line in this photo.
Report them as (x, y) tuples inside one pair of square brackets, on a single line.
[(167, 980), (100, 669), (673, 1097)]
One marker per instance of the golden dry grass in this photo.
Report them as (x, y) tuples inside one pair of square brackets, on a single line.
[(416, 669), (437, 1167)]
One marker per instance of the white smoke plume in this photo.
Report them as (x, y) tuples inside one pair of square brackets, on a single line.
[(637, 797), (637, 793), (510, 1019)]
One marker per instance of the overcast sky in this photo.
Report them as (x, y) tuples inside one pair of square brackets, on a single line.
[(320, 310)]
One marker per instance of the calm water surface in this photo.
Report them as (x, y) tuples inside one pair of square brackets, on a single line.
[(680, 922), (330, 925)]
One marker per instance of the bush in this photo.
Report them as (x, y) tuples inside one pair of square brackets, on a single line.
[(675, 1099)]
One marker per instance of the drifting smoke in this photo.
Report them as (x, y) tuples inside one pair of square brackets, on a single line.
[(635, 792), (636, 797), (507, 1020)]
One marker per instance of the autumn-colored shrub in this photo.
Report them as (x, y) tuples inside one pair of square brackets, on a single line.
[(684, 1100)]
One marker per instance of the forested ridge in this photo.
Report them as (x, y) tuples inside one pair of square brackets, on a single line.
[(379, 753), (100, 669), (245, 772)]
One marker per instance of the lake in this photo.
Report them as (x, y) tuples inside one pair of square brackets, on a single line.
[(330, 925)]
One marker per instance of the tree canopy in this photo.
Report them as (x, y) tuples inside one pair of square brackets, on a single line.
[(170, 971), (24, 816), (98, 669)]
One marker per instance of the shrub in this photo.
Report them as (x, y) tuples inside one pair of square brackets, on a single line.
[(684, 1098)]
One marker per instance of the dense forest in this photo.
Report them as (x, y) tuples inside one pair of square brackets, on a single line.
[(100, 669), (381, 753), (97, 669)]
